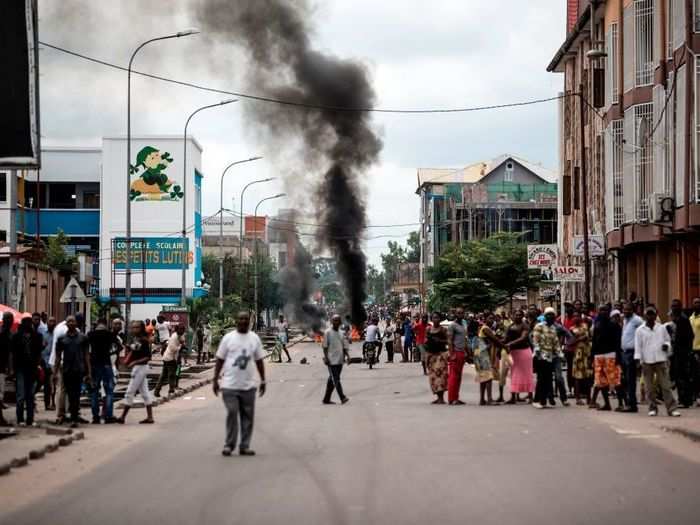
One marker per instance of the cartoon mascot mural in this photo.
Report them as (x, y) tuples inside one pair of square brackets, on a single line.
[(153, 183)]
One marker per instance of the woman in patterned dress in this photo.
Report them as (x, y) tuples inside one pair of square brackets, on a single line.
[(436, 347), (485, 359), (582, 370)]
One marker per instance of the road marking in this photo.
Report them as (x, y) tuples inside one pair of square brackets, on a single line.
[(624, 432), (644, 436), (187, 398), (201, 398)]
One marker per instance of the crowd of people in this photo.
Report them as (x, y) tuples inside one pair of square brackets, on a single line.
[(615, 352), (68, 360)]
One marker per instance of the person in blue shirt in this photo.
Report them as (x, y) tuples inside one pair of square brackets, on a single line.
[(407, 337), (630, 323)]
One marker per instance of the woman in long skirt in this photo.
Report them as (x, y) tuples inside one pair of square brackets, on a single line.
[(485, 359), (518, 345), (436, 347), (582, 370)]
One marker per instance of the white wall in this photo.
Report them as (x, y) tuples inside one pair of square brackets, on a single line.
[(154, 218), (69, 165)]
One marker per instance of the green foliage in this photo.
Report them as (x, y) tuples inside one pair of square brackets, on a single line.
[(481, 274), (333, 293), (375, 283), (392, 260), (55, 254), (413, 250)]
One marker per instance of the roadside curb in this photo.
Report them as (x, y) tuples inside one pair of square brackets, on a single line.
[(66, 439), (688, 434)]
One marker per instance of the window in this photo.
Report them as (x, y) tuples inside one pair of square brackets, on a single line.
[(61, 195), (509, 172), (644, 42), (669, 28), (643, 158), (91, 199), (697, 130), (614, 62), (696, 14), (3, 236), (618, 136), (3, 187)]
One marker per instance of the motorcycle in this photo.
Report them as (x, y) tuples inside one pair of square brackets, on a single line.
[(370, 352)]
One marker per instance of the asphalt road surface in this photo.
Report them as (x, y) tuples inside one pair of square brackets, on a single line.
[(388, 457)]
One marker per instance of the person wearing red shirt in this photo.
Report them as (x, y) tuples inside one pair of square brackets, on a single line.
[(420, 329)]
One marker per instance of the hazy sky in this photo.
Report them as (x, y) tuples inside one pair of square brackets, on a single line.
[(442, 53)]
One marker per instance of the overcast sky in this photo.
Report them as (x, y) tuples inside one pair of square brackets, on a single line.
[(441, 53)]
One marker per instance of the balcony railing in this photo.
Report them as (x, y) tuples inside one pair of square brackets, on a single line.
[(73, 222)]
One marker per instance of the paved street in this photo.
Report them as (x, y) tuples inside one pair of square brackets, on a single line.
[(386, 457)]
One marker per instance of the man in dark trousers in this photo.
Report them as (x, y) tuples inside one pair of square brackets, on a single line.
[(682, 342), (26, 348), (335, 353), (73, 359), (237, 350)]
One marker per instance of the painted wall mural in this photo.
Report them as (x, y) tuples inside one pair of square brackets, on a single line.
[(153, 183)]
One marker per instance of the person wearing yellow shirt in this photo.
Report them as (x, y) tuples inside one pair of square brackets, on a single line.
[(695, 360)]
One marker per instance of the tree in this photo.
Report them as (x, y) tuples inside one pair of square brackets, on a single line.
[(55, 255), (375, 283), (482, 273), (333, 293), (391, 260), (413, 250)]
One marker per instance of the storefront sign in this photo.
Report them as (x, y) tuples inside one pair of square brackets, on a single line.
[(152, 253), (567, 273), (541, 256), (596, 245)]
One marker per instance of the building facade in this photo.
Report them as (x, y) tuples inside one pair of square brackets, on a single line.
[(630, 76), (506, 194)]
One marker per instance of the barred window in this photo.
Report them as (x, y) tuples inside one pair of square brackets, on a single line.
[(618, 136), (643, 158), (644, 41)]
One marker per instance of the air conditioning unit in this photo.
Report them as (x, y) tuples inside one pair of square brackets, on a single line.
[(662, 207)]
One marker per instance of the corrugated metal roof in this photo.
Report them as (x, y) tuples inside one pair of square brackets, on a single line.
[(475, 172)]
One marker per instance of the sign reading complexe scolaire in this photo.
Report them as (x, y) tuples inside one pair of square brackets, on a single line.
[(540, 256), (153, 253)]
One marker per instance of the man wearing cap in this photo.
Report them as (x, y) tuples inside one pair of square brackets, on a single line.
[(652, 348)]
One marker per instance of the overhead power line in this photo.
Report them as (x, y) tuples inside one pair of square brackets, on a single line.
[(261, 98)]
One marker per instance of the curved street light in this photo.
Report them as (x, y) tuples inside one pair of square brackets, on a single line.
[(183, 295), (255, 254), (221, 228), (240, 233), (127, 275)]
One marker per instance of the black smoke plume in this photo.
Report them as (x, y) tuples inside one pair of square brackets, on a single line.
[(337, 144), (297, 286)]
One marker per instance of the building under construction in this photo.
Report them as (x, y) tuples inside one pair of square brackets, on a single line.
[(506, 194)]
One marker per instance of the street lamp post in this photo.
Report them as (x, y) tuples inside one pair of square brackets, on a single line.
[(221, 229), (127, 276), (255, 255), (240, 233), (183, 295)]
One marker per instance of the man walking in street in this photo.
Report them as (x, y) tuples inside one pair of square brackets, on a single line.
[(170, 359), (652, 346), (238, 387), (101, 343), (335, 353), (73, 359), (420, 328), (456, 348), (163, 332), (49, 393), (630, 323), (282, 332)]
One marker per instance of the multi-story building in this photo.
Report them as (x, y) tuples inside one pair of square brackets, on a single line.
[(506, 194), (630, 76)]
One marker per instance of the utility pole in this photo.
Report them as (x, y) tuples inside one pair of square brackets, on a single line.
[(583, 184)]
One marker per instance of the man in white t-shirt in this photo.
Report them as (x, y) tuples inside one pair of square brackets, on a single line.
[(238, 385), (163, 331)]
